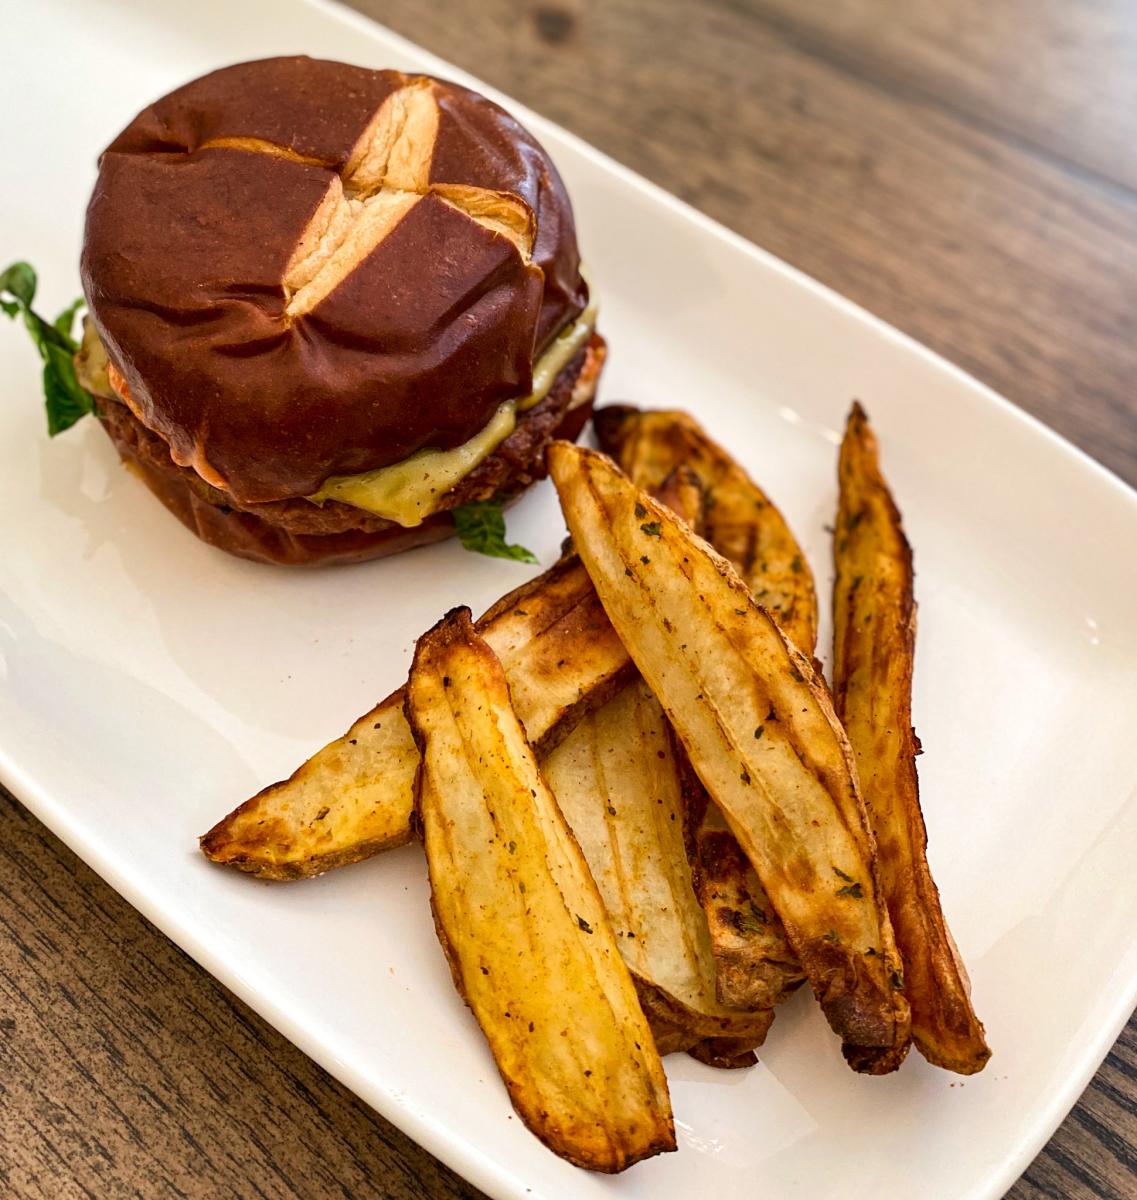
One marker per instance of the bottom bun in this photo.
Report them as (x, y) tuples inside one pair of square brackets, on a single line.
[(299, 533)]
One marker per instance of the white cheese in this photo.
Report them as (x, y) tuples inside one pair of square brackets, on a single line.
[(408, 492)]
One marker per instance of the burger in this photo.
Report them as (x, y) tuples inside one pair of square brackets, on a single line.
[(330, 308)]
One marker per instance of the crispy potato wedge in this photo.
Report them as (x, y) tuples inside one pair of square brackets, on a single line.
[(520, 919), (759, 729), (682, 491), (727, 1054), (616, 780), (739, 519), (755, 967), (754, 964), (560, 653), (354, 797), (350, 800), (874, 645)]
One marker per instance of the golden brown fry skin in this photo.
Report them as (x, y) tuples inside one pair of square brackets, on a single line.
[(331, 811), (727, 1054), (676, 1030), (756, 967), (520, 919), (874, 644), (682, 491), (758, 726), (739, 519), (618, 785), (353, 798)]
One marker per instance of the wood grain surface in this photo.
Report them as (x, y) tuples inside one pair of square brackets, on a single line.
[(966, 170)]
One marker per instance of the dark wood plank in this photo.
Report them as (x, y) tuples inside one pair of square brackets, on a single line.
[(1094, 1152), (127, 1071), (1058, 78), (963, 169)]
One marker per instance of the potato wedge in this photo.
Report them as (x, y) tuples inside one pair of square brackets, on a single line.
[(759, 729), (560, 653), (520, 919), (726, 1054), (874, 644), (739, 520), (755, 966), (350, 800), (354, 797), (616, 780), (682, 491)]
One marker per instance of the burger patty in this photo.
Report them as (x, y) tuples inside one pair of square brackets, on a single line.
[(512, 467)]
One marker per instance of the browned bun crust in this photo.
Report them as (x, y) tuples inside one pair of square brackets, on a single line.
[(209, 212), (300, 533)]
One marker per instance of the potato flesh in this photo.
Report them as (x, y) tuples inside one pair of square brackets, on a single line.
[(874, 647), (755, 967), (616, 781), (354, 797), (524, 929), (723, 671)]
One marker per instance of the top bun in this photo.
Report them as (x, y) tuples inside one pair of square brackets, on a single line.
[(305, 269)]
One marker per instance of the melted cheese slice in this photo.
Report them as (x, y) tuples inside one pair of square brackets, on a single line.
[(408, 492)]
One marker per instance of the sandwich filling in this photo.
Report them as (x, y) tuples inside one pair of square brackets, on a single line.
[(405, 492)]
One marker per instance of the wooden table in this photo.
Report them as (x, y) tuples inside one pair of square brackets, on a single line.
[(966, 170)]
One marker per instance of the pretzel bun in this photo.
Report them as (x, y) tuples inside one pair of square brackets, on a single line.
[(302, 270)]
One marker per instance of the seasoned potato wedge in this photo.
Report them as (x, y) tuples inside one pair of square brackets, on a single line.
[(759, 729), (682, 491), (739, 519), (755, 966), (616, 780), (724, 1053), (874, 644), (350, 800), (353, 798), (520, 919)]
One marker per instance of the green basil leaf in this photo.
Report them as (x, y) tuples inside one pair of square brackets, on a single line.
[(20, 281), (65, 399), (481, 528)]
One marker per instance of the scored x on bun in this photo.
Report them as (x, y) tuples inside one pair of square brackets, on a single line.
[(303, 272)]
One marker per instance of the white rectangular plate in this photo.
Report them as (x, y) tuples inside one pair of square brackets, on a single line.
[(148, 683)]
